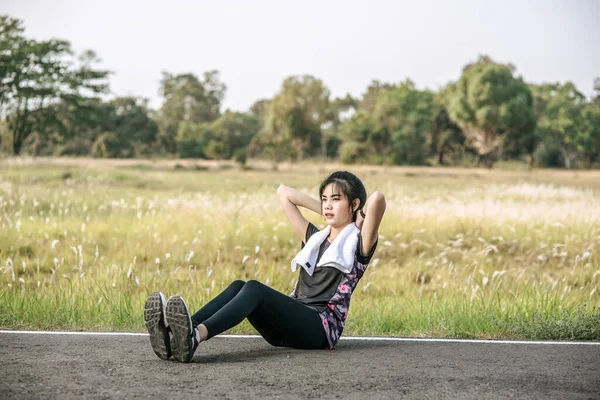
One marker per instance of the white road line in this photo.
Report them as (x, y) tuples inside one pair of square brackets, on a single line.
[(485, 341), (365, 338)]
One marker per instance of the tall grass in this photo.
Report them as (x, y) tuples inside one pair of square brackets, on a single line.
[(498, 255)]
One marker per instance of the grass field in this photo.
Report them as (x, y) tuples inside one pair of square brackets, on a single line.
[(505, 253)]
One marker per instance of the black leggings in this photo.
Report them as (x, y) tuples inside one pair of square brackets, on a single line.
[(280, 319)]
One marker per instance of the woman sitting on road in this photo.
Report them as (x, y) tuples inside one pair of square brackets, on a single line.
[(331, 263)]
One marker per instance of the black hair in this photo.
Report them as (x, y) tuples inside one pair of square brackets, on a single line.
[(350, 185)]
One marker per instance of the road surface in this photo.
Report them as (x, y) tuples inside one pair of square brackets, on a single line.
[(44, 366)]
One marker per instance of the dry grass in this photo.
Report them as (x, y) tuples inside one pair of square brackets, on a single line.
[(462, 252)]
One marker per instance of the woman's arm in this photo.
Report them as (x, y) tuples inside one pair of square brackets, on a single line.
[(290, 199), (374, 210)]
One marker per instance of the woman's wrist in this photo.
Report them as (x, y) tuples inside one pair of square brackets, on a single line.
[(301, 199)]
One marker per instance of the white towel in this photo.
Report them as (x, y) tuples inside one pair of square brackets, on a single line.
[(340, 254)]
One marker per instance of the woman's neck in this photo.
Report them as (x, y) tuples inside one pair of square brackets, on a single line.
[(335, 230)]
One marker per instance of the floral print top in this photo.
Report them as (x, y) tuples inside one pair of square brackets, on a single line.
[(334, 315)]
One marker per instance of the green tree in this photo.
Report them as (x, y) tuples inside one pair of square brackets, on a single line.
[(403, 117), (72, 126), (341, 106), (369, 98), (589, 139), (490, 105), (192, 139), (4, 134), (560, 120), (259, 109), (35, 76), (220, 139), (187, 98), (356, 134), (596, 98), (128, 129), (359, 140), (301, 108), (444, 136), (341, 109), (232, 131), (272, 139)]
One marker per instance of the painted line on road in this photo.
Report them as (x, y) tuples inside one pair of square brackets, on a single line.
[(365, 338), (491, 341)]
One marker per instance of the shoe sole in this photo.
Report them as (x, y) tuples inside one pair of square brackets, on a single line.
[(178, 318), (155, 321)]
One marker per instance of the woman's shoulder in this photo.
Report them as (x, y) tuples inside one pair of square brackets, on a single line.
[(311, 229), (364, 259)]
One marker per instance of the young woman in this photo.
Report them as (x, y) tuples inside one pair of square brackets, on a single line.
[(331, 263)]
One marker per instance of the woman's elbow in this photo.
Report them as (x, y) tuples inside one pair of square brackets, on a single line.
[(378, 197), (377, 202), (280, 190)]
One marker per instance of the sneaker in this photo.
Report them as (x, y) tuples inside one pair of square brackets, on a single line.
[(185, 338), (156, 324)]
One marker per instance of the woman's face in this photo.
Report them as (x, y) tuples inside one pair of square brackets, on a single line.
[(335, 207)]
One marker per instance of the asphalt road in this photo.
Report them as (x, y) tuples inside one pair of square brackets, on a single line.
[(124, 367)]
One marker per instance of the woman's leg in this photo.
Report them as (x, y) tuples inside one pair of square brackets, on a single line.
[(218, 302), (280, 319)]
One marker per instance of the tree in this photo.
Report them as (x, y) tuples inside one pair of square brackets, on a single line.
[(589, 141), (356, 137), (560, 121), (220, 139), (489, 104), (4, 134), (444, 136), (12, 43), (192, 138), (35, 76), (75, 125), (596, 97), (369, 98), (341, 109), (187, 98), (356, 134), (259, 109), (341, 106), (273, 139), (128, 129), (403, 118), (232, 132), (295, 117)]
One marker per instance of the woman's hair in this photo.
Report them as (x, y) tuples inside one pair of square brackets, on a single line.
[(350, 185)]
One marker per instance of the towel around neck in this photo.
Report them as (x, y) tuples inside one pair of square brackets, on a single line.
[(341, 253)]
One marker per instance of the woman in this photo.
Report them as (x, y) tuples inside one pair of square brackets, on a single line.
[(331, 263)]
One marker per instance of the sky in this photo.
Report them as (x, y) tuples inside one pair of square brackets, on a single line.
[(255, 45)]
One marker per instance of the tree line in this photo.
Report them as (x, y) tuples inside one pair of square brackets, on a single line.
[(53, 102)]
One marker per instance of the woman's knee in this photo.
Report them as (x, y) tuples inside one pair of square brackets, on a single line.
[(237, 284), (253, 286)]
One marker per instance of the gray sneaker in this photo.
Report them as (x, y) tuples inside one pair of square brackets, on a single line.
[(156, 324), (184, 341)]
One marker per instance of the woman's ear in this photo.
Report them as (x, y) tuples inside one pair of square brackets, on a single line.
[(355, 205)]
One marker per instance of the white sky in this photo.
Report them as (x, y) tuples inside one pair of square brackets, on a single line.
[(256, 44)]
